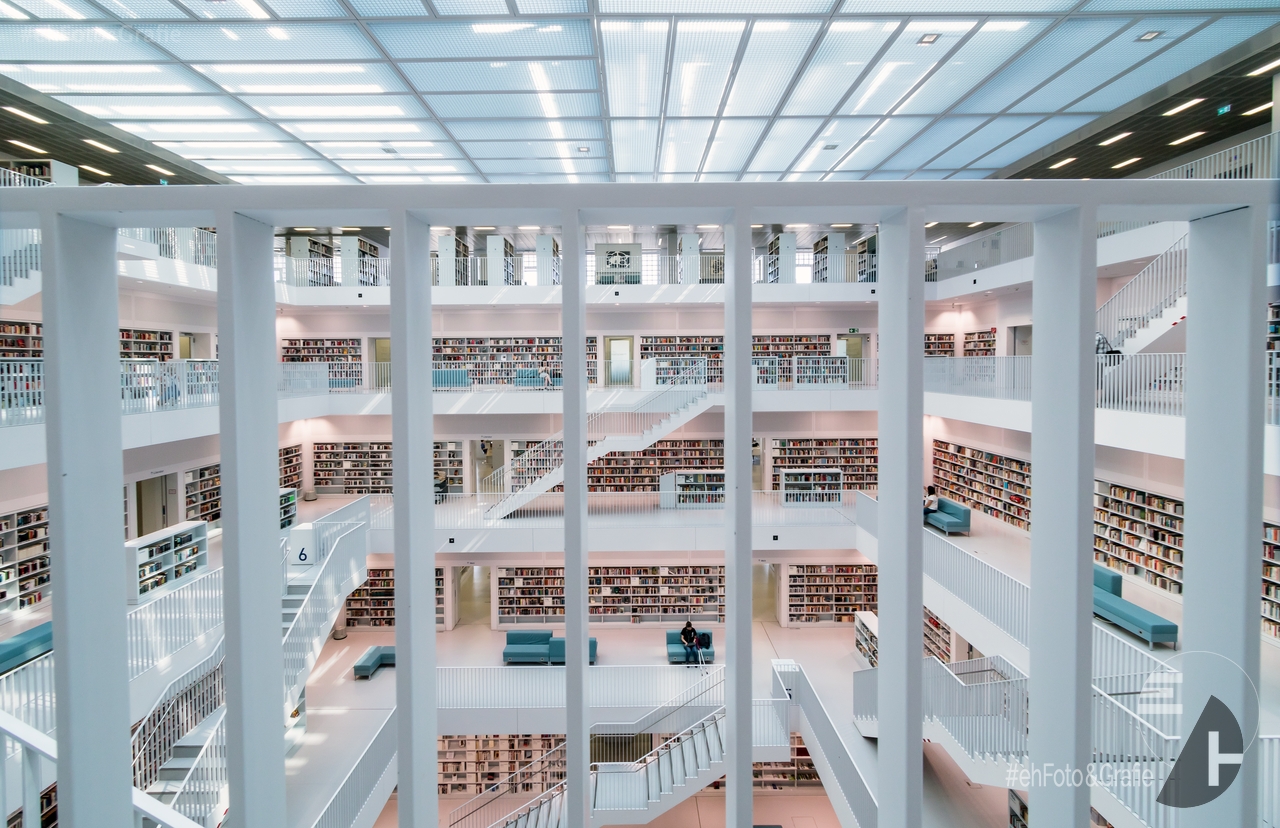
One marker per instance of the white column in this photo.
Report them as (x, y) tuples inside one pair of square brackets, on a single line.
[(1064, 271), (1222, 566), (1275, 103), (412, 433), (901, 425), (82, 434), (252, 590), (738, 383), (577, 728)]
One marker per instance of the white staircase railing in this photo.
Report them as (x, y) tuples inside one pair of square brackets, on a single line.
[(375, 771), (159, 628), (204, 788), (1251, 160), (19, 254), (1145, 297), (186, 702)]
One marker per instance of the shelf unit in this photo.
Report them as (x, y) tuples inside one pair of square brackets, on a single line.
[(994, 484), (855, 457), (320, 350), (936, 344), (866, 636), (791, 345), (641, 471), (1139, 533), (1273, 326), (867, 261), (1271, 580), (536, 349), (288, 507), (136, 343), (352, 468), (980, 343), (1019, 813), (821, 257), (938, 639), (373, 605), (470, 765), (24, 557), (21, 340), (203, 491), (616, 594), (692, 490), (291, 467), (827, 593), (448, 456), (797, 772), (165, 557), (809, 486)]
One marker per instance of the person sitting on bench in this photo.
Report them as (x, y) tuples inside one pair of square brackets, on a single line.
[(689, 638), (931, 502)]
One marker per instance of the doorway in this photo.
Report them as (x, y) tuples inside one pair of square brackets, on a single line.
[(617, 355), (852, 346), (380, 347), (158, 506), (186, 345), (1020, 340), (473, 595), (487, 457)]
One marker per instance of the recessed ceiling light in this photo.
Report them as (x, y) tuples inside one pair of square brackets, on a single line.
[(839, 226), (708, 227), (1258, 109), (1184, 139), (101, 146), (103, 173), (797, 225), (584, 149), (927, 39), (935, 241), (1184, 106), (28, 147), (1118, 137), (619, 226), (1064, 162), (304, 229), (756, 226), (529, 227), (976, 224), (1264, 69), (484, 228), (1148, 36), (161, 170), (1126, 163), (27, 115), (931, 224), (349, 229), (437, 228)]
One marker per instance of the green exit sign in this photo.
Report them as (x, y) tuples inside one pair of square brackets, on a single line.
[(853, 330), (1224, 109)]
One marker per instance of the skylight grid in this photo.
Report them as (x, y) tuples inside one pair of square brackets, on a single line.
[(292, 179), (382, 150), (119, 78), (683, 143), (1113, 58), (471, 6), (1170, 5), (883, 141), (828, 147), (499, 39), (700, 65), (150, 9), (197, 150), (549, 179), (202, 130), (635, 59), (993, 44), (501, 76), (398, 166), (932, 141), (277, 166), (243, 42), (68, 43), (542, 165), (551, 6), (732, 144), (160, 108), (307, 8), (957, 6), (902, 67), (1058, 49), (1038, 136), (983, 141), (715, 6), (846, 48), (302, 78), (389, 8), (527, 130), (786, 139), (772, 56), (324, 107), (534, 149), (1214, 39), (60, 9), (634, 145), (550, 105), (357, 129), (971, 174)]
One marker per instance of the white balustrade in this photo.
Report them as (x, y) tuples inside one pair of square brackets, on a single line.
[(27, 693), (995, 377), (186, 702), (193, 245), (13, 178), (21, 391), (19, 254), (353, 794), (1142, 383), (1251, 160), (164, 625), (1005, 245), (1145, 297), (148, 385), (204, 787)]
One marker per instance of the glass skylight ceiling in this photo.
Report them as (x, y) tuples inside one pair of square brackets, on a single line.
[(271, 91)]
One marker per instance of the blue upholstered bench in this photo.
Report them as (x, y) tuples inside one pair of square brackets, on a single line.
[(528, 378), (527, 647), (450, 378), (675, 650), (556, 652), (374, 658), (24, 646), (950, 517), (1109, 606)]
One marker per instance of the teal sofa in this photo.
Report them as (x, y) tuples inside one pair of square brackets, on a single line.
[(373, 659), (450, 378), (950, 517), (23, 647), (556, 652), (675, 650), (1109, 606), (527, 647), (528, 378)]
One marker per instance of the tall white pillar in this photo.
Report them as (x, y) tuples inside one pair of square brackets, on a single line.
[(1064, 271), (82, 435), (738, 383), (901, 598), (1222, 563), (254, 664), (412, 432), (577, 727)]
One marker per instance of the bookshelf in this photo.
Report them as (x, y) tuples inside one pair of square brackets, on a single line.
[(288, 507), (855, 457), (1019, 813), (692, 490), (448, 456), (136, 343), (936, 344), (165, 557), (534, 349), (46, 169), (470, 765), (866, 635), (1139, 534), (24, 557), (938, 640), (1273, 326), (980, 343), (1271, 580), (352, 468), (203, 491), (641, 471), (791, 345), (320, 350), (822, 263), (373, 605), (48, 810), (994, 484), (797, 772), (810, 486), (21, 340), (826, 594), (616, 594), (711, 348), (867, 264), (291, 467)]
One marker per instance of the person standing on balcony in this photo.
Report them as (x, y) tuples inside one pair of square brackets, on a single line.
[(689, 638)]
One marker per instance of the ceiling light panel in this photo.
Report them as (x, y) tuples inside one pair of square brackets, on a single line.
[(196, 150), (527, 130), (533, 149), (499, 39), (845, 50), (930, 175), (1113, 58), (634, 145), (985, 52), (126, 78), (59, 9), (21, 42), (471, 6), (715, 6), (550, 179), (358, 128), (253, 41), (389, 8), (768, 65), (147, 9), (397, 166), (1058, 49), (412, 150), (683, 144), (543, 165), (549, 105), (1165, 5), (700, 65), (787, 138), (1038, 136), (635, 57), (842, 134), (906, 62), (337, 106), (271, 167), (228, 10), (883, 141), (551, 6), (302, 78), (502, 76), (306, 8), (957, 6), (202, 130), (983, 141), (932, 141), (1207, 43), (732, 144), (292, 179), (154, 107)]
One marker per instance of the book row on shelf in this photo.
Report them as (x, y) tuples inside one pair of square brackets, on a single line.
[(626, 594), (373, 605), (136, 343), (994, 484), (826, 594), (161, 558), (940, 641), (21, 340), (365, 467), (980, 343), (849, 462), (24, 557), (320, 350)]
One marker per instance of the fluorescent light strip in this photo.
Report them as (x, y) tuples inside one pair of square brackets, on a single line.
[(976, 224), (841, 226), (27, 115), (931, 224), (1185, 106), (1064, 162), (708, 227), (1258, 109), (1115, 138), (95, 170), (529, 227), (28, 147), (1261, 70), (101, 146), (160, 170), (1184, 139), (1126, 163)]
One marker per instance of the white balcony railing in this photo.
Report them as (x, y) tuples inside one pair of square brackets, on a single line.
[(193, 245), (1252, 159), (354, 792), (13, 178), (161, 627), (998, 378), (148, 385), (19, 254), (1145, 297), (202, 788), (1005, 245), (186, 702)]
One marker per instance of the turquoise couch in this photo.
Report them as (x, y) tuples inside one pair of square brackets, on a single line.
[(1109, 606), (527, 647), (950, 517), (528, 378), (450, 378), (556, 652), (373, 659), (675, 650), (25, 646)]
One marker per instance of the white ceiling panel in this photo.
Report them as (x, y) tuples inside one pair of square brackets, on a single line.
[(845, 52), (773, 54), (275, 166), (732, 145), (292, 179), (197, 150), (958, 6), (1035, 138), (834, 141), (60, 9), (543, 165), (932, 141), (635, 58), (983, 141), (635, 145), (787, 138), (381, 150), (550, 105), (535, 149), (149, 9), (302, 78), (252, 41), (307, 8), (971, 174), (547, 178), (715, 6), (65, 42), (355, 129), (683, 143), (883, 141), (502, 76), (700, 66), (904, 64), (993, 44), (202, 130), (398, 166), (389, 8), (485, 39), (159, 107), (107, 78), (551, 6), (328, 107), (471, 6)]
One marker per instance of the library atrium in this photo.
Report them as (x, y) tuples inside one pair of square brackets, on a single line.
[(621, 334)]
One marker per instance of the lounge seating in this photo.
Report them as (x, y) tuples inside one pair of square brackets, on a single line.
[(675, 650), (556, 652), (529, 378), (527, 647), (373, 659), (950, 517), (450, 378), (25, 646), (1109, 606)]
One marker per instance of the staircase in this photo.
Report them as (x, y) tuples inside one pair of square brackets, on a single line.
[(19, 265), (1149, 305), (634, 428)]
